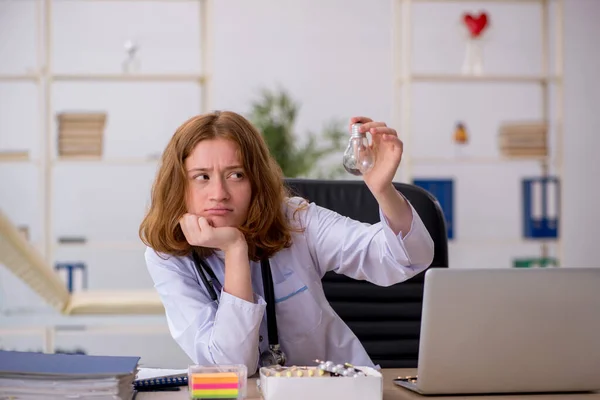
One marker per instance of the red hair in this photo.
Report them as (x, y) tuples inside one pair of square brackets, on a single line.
[(266, 227)]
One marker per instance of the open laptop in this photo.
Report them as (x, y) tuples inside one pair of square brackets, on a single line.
[(509, 331)]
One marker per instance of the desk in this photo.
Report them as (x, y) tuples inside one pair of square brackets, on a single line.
[(390, 392)]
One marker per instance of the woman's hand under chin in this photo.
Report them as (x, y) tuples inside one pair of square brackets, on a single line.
[(199, 232)]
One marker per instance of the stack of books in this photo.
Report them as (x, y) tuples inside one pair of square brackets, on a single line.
[(523, 139), (14, 155), (80, 134), (31, 375)]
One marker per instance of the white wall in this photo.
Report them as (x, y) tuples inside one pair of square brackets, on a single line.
[(582, 125), (335, 58)]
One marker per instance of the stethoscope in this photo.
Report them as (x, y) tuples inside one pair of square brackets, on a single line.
[(274, 355)]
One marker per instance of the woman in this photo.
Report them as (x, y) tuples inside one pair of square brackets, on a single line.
[(219, 199)]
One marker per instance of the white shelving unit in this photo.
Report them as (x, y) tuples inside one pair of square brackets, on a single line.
[(47, 331), (406, 78), (45, 77)]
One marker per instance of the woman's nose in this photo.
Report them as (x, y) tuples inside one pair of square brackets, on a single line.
[(219, 190)]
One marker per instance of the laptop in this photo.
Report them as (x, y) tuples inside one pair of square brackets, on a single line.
[(488, 331)]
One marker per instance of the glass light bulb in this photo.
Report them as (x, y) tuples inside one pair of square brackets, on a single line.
[(358, 158)]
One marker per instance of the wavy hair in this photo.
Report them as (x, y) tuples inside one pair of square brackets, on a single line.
[(266, 228)]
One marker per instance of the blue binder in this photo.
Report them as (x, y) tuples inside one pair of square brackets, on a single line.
[(443, 191), (71, 269), (541, 204)]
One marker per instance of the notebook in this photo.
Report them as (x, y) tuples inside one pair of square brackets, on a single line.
[(148, 379), (29, 375)]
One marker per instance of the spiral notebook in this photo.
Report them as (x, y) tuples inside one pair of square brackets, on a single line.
[(159, 378)]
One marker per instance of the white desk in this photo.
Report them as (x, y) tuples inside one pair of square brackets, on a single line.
[(390, 392)]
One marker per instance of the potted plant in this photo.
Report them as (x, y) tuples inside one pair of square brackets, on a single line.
[(274, 114)]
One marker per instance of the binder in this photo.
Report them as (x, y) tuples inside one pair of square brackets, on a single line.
[(30, 375), (443, 191), (540, 207), (150, 379), (74, 274), (65, 365)]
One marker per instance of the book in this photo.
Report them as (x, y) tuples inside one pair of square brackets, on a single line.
[(160, 378), (29, 375)]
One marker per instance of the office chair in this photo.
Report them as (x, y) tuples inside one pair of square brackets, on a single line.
[(385, 319)]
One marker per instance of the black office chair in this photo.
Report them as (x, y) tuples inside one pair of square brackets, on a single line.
[(385, 319)]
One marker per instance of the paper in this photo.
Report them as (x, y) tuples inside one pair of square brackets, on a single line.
[(149, 373)]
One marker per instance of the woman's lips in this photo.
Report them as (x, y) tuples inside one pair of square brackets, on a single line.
[(218, 211)]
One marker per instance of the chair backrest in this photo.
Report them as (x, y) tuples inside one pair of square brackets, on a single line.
[(385, 319)]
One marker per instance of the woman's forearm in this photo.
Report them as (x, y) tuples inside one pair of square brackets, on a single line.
[(396, 209), (238, 280)]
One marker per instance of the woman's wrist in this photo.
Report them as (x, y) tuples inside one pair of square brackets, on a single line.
[(237, 246), (385, 192), (238, 280)]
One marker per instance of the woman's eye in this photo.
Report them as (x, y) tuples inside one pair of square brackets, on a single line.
[(237, 175), (202, 177)]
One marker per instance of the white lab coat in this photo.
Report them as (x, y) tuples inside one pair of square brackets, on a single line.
[(235, 331)]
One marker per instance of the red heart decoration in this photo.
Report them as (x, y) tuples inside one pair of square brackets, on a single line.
[(476, 24)]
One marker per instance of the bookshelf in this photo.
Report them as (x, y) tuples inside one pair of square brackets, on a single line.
[(27, 325), (548, 80), (45, 77)]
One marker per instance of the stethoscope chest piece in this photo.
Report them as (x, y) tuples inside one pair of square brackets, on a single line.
[(273, 356)]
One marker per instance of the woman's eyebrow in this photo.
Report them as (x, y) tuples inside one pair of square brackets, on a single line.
[(204, 169)]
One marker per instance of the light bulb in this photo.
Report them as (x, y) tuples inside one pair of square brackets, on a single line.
[(358, 158)]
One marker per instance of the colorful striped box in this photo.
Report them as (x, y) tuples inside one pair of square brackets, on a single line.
[(217, 382)]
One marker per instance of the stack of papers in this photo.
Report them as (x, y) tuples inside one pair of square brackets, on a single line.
[(29, 375), (153, 373)]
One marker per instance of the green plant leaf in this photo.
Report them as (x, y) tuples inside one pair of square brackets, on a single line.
[(274, 115)]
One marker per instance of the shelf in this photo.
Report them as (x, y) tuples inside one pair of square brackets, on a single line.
[(109, 161), (14, 156), (476, 160), (103, 244), (477, 1), (134, 1), (492, 78), (18, 77), (492, 242), (130, 77)]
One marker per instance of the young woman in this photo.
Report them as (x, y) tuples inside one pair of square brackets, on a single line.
[(224, 237)]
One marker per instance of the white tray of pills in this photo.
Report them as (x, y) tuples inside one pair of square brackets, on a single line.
[(326, 380)]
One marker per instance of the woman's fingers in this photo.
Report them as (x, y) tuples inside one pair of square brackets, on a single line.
[(360, 119), (191, 229), (383, 130), (370, 126), (204, 225)]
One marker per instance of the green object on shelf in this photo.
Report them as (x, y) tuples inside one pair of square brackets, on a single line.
[(539, 262)]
